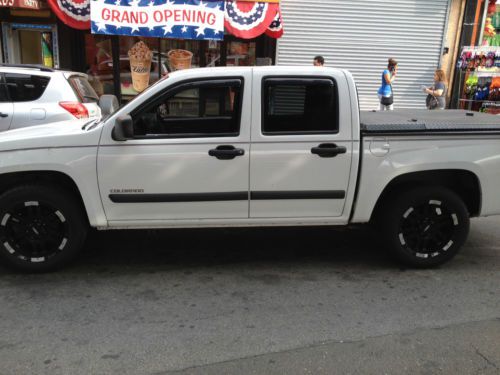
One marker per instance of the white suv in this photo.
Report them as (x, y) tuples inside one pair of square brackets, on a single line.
[(35, 95)]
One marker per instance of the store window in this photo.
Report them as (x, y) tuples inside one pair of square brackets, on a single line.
[(181, 54), (99, 63), (211, 109), (300, 107), (165, 55), (153, 60), (213, 55), (240, 53)]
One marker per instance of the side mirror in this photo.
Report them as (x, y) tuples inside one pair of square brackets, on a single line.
[(108, 104), (124, 128)]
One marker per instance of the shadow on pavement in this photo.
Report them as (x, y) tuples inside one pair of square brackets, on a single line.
[(186, 248)]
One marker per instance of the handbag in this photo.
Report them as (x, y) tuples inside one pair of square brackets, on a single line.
[(387, 100), (431, 102)]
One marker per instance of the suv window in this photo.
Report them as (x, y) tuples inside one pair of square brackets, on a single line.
[(3, 91), (202, 109), (83, 89), (25, 87), (299, 106)]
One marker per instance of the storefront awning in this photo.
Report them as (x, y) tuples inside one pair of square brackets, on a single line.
[(243, 18)]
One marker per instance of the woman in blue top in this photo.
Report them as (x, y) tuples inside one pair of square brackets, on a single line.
[(388, 77)]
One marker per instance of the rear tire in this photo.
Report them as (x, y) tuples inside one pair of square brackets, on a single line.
[(425, 227), (42, 228)]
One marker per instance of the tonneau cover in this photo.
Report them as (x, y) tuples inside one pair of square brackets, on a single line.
[(425, 121)]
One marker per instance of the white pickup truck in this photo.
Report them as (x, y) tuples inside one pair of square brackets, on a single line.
[(270, 146)]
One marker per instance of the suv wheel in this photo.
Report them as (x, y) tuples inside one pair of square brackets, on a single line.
[(41, 228), (425, 226)]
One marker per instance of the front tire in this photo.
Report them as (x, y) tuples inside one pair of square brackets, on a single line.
[(42, 228), (426, 226)]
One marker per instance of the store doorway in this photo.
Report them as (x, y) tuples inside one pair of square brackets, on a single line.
[(31, 44)]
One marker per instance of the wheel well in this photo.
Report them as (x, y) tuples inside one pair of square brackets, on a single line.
[(464, 183), (62, 180)]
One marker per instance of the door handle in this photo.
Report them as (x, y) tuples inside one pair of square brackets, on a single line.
[(226, 152), (328, 150), (3, 114)]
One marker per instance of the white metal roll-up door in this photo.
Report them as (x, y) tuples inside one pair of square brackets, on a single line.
[(361, 35)]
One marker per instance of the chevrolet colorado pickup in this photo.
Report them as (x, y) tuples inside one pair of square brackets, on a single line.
[(263, 146)]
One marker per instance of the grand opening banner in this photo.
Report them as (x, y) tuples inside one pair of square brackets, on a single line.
[(180, 19)]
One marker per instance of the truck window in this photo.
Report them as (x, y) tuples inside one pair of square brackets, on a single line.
[(299, 106), (207, 110)]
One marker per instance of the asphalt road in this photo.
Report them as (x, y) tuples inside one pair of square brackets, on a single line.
[(259, 301)]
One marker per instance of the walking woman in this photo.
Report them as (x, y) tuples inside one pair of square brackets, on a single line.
[(385, 93), (436, 94)]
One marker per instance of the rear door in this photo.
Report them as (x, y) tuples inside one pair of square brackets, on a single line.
[(24, 91), (6, 107), (301, 147)]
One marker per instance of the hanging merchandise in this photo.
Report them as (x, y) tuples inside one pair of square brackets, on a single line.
[(249, 19), (74, 13), (471, 86), (480, 57)]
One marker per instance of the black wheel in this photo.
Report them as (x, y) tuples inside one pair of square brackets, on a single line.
[(425, 226), (41, 228)]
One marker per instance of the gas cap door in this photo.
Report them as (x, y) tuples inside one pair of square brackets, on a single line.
[(38, 114), (380, 147)]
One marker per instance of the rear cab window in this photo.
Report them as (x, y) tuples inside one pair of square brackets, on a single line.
[(83, 89), (295, 106), (25, 87)]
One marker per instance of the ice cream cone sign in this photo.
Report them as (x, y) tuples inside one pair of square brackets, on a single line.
[(140, 65)]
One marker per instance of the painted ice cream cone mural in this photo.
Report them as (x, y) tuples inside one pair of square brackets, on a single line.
[(140, 65)]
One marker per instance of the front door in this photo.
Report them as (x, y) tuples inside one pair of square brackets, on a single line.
[(189, 158), (301, 147)]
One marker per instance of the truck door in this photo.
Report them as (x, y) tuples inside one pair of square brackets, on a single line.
[(189, 158), (301, 146), (6, 106)]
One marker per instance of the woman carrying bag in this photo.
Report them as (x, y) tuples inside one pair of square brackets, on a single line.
[(385, 93), (436, 94)]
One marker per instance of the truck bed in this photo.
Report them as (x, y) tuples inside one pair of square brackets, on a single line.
[(417, 121)]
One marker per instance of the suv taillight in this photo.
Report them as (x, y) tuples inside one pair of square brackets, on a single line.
[(76, 109)]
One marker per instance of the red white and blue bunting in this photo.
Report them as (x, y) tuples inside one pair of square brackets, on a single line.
[(74, 13), (243, 18), (249, 20), (275, 30)]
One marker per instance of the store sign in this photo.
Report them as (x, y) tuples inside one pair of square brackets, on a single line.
[(182, 19), (26, 4)]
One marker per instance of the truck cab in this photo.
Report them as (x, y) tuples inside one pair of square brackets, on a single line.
[(236, 146)]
